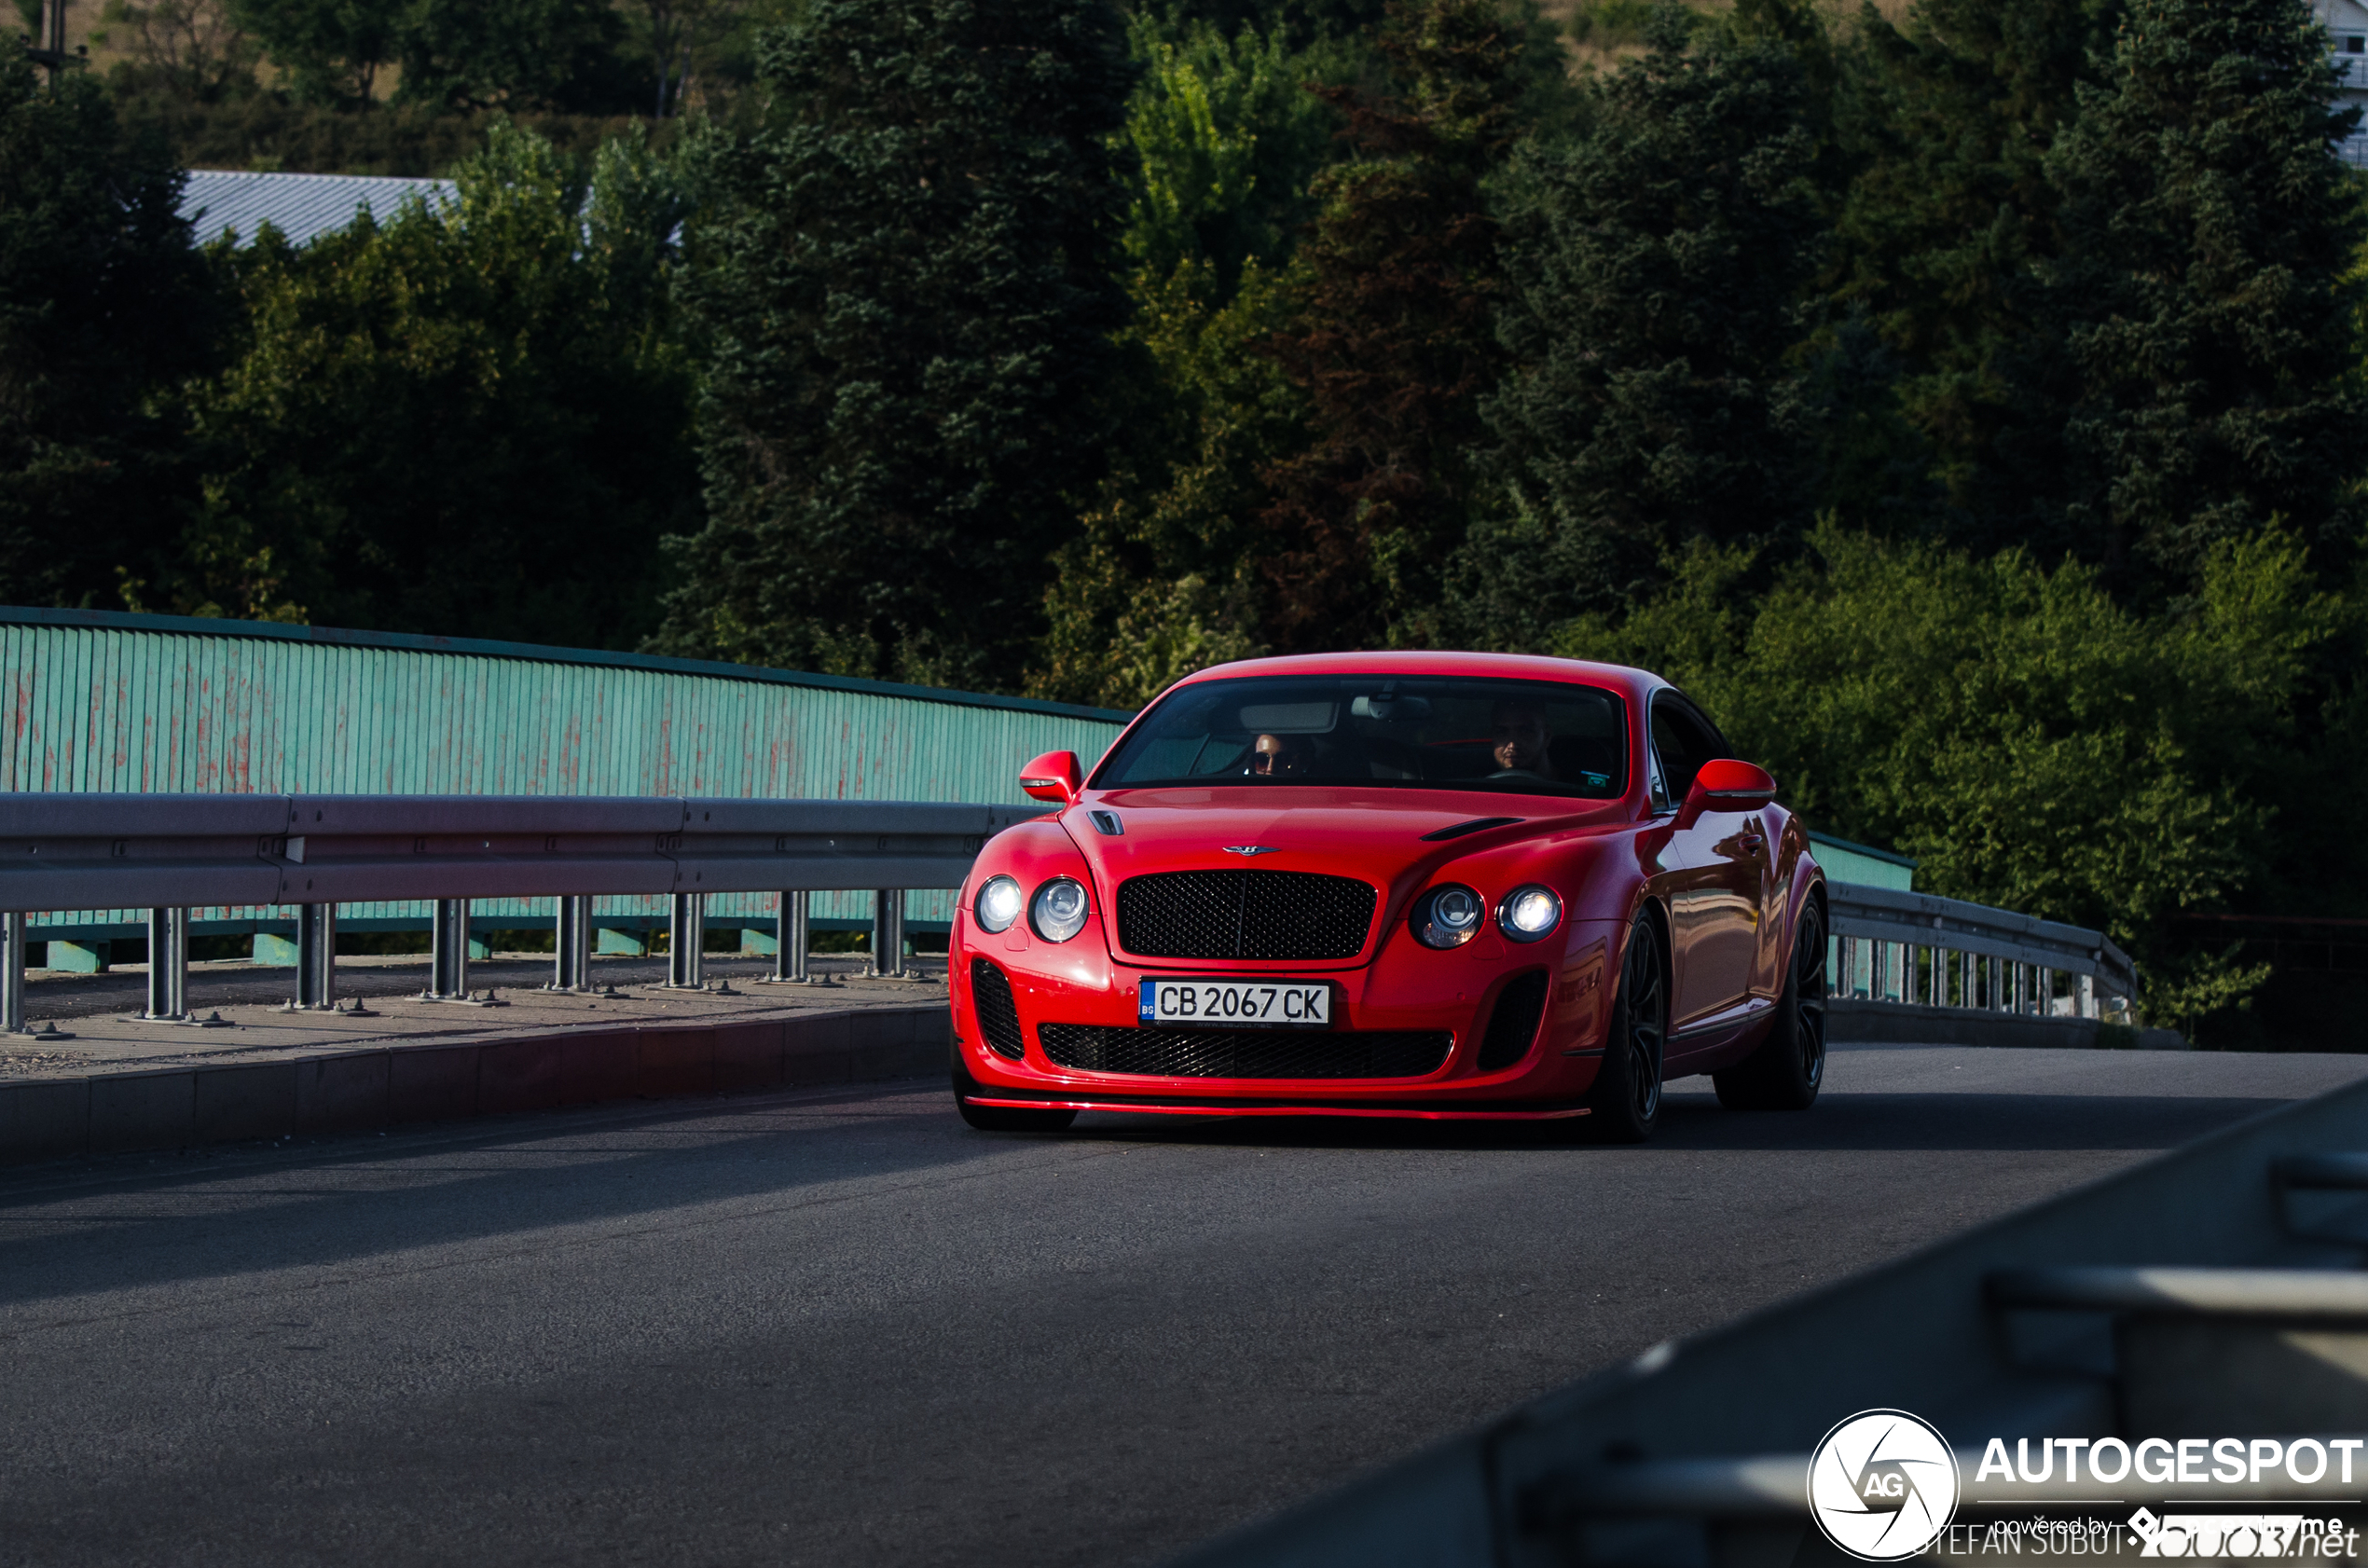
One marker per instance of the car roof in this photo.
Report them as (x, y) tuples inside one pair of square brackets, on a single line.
[(1636, 683)]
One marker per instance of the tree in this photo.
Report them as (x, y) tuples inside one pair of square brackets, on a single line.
[(907, 279), (1946, 121), (330, 49), (1164, 577), (679, 34), (1656, 262), (1396, 345), (2206, 290), (1224, 140), (469, 421), (481, 54), (194, 51), (104, 303), (2035, 744)]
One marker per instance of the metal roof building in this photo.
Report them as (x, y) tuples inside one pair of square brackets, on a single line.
[(301, 206)]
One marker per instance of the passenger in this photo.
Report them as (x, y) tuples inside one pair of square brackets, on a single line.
[(1279, 756), (1517, 740)]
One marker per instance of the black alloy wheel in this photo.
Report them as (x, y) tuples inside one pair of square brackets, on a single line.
[(1788, 1068), (1625, 1105)]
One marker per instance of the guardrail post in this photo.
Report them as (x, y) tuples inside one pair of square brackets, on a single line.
[(886, 958), (793, 943), (449, 952), (168, 966), (571, 945), (686, 942), (12, 972), (316, 958)]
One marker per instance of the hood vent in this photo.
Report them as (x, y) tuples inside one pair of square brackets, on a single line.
[(1477, 825)]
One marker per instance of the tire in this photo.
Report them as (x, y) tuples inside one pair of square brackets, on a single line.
[(1625, 1103), (1788, 1068)]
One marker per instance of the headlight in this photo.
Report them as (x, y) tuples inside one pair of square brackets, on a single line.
[(998, 905), (1529, 912), (1447, 916), (1059, 911)]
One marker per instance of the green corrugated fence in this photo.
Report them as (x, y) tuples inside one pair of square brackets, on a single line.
[(101, 701)]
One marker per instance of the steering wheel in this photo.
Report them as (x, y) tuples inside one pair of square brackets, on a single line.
[(1519, 773)]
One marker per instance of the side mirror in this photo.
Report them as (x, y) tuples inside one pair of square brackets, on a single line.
[(1054, 776), (1727, 785)]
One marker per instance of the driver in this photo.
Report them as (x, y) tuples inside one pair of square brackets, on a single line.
[(1517, 739), (1281, 756)]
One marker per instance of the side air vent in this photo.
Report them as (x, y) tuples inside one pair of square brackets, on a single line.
[(1514, 1023), (998, 1010)]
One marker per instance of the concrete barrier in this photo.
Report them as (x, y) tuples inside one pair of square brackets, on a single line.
[(1856, 1020), (114, 1113)]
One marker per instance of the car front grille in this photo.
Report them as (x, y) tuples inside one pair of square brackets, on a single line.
[(1292, 916), (998, 1010), (1245, 1053)]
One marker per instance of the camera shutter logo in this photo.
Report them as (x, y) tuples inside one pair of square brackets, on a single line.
[(1882, 1485)]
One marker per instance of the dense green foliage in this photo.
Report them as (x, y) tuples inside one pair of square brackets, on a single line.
[(104, 306), (2035, 744), (1658, 259), (2202, 286), (1396, 342), (908, 281), (1960, 404), (465, 419)]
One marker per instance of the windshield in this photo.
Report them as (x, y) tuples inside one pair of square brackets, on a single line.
[(1527, 737)]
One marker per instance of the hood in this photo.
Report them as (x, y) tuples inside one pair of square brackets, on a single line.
[(1372, 835)]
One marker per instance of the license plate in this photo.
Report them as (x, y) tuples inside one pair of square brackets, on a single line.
[(1238, 1004)]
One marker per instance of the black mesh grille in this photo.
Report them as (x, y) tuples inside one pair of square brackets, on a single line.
[(1285, 915), (1514, 1023), (999, 1012), (1243, 1052)]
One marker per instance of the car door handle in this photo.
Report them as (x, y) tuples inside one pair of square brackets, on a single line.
[(1749, 843)]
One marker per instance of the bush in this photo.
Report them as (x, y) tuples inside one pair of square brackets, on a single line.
[(2033, 745)]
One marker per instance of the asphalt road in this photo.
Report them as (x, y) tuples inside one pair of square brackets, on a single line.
[(838, 1329)]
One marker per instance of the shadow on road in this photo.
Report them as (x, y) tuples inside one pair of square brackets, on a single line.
[(2004, 1123), (333, 1201), (317, 1202)]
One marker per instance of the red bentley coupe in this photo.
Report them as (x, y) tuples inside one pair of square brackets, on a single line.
[(1419, 884)]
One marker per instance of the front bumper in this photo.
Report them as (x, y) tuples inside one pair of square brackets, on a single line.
[(1406, 990)]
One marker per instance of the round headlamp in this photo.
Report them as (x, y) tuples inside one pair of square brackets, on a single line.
[(1448, 916), (997, 904), (1529, 912), (1059, 912)]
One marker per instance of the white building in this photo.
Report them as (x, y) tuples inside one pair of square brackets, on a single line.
[(2347, 24)]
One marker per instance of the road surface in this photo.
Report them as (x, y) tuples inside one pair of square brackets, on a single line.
[(836, 1327)]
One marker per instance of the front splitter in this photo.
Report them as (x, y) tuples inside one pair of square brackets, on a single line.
[(1274, 1108)]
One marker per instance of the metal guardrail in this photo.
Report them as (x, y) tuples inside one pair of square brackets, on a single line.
[(167, 853), (2216, 1289), (1944, 953)]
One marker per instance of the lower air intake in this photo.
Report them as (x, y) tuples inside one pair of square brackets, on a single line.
[(998, 1010), (1243, 1052), (1514, 1023)]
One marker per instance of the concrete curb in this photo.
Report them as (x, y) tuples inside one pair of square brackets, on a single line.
[(174, 1107), (1857, 1020)]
